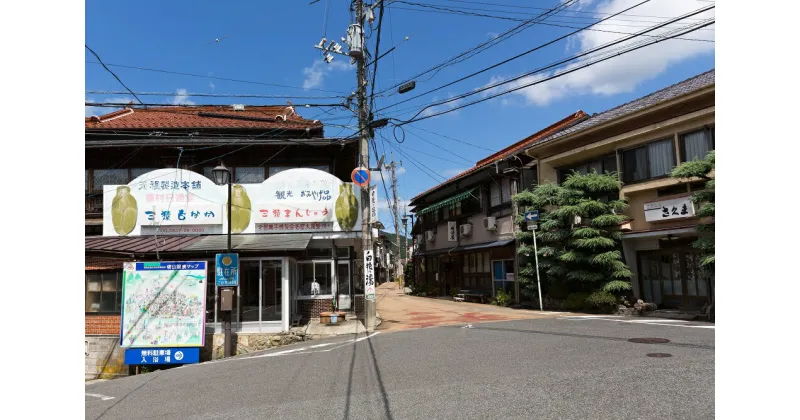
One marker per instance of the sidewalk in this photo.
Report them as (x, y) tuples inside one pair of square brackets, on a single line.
[(399, 311)]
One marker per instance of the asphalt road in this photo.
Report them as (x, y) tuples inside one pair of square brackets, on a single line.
[(538, 368)]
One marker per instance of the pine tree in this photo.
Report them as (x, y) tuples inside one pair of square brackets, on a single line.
[(702, 169), (578, 237)]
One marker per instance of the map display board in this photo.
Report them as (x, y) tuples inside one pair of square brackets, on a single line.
[(163, 304)]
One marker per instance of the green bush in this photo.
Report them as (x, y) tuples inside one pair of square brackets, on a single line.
[(502, 298), (601, 300), (575, 301), (454, 290)]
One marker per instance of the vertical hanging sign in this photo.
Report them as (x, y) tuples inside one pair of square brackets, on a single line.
[(452, 232), (369, 275), (373, 204)]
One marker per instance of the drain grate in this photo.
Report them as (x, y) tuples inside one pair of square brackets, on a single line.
[(659, 355), (649, 340)]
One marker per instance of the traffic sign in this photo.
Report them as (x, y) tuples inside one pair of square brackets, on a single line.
[(360, 176), (532, 216), (162, 356), (227, 270), (533, 226)]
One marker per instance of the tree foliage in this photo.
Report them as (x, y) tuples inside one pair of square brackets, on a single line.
[(704, 200), (578, 237)]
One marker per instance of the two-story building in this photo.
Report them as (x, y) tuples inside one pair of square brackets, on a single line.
[(150, 196), (464, 229), (642, 141)]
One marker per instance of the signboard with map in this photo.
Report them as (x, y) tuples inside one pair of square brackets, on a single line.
[(163, 304)]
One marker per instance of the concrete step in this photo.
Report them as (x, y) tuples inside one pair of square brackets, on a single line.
[(673, 314)]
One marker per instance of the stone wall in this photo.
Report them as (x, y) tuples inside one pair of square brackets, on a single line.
[(246, 343), (104, 358)]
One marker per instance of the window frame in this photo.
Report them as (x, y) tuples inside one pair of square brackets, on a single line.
[(562, 172), (710, 136), (502, 204), (117, 292), (622, 152)]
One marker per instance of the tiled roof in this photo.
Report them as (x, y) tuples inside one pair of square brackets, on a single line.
[(189, 117), (511, 150), (670, 92)]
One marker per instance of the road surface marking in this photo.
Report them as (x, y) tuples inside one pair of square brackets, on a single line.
[(663, 322), (316, 346), (101, 396)]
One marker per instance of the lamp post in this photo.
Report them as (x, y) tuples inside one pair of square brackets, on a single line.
[(222, 176)]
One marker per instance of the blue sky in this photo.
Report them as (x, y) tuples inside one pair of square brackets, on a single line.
[(272, 42)]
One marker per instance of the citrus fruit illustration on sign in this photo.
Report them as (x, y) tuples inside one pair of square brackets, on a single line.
[(226, 260), (240, 214), (346, 207), (123, 211)]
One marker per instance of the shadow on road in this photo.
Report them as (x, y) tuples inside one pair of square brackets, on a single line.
[(593, 337), (382, 388)]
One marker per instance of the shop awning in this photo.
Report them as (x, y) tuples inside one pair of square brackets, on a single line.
[(272, 242), (447, 201), (466, 248)]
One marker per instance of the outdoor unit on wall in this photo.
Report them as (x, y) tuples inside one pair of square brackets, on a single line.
[(490, 223), (429, 235), (466, 229)]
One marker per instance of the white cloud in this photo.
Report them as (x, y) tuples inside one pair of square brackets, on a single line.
[(624, 73), (315, 74), (384, 205), (182, 98), (212, 86), (492, 35)]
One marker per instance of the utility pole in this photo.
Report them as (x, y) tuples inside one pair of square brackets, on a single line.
[(359, 53), (392, 166)]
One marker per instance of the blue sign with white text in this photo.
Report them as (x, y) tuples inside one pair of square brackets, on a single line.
[(162, 356), (227, 270), (532, 216)]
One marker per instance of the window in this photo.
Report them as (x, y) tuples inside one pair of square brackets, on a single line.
[(475, 270), (249, 175), (499, 192), (451, 211), (315, 278), (529, 178), (601, 166), (500, 274), (103, 291), (472, 204), (87, 181), (697, 144), (109, 177), (650, 161), (137, 172), (343, 277)]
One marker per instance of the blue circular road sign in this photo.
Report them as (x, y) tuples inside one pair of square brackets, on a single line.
[(360, 176)]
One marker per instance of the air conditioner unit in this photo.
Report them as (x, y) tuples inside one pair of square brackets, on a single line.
[(466, 229), (429, 235), (490, 223)]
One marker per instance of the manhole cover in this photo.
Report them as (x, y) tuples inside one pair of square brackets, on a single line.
[(659, 355), (649, 340)]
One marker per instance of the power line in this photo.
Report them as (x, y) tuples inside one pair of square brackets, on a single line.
[(509, 59), (427, 171), (210, 95), (112, 73), (697, 26), (541, 8), (214, 77), (193, 105), (485, 45), (579, 55), (442, 148)]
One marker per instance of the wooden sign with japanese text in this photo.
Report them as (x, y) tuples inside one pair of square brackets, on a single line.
[(369, 275)]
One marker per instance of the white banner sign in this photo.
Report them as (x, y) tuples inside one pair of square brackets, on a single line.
[(452, 232), (373, 204), (369, 275), (294, 200), (675, 208)]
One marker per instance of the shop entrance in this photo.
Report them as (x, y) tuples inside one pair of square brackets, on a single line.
[(672, 278)]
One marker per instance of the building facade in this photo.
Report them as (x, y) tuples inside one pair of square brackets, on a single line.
[(642, 141), (464, 232), (296, 218)]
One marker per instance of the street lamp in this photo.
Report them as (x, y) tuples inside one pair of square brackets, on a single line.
[(222, 176)]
